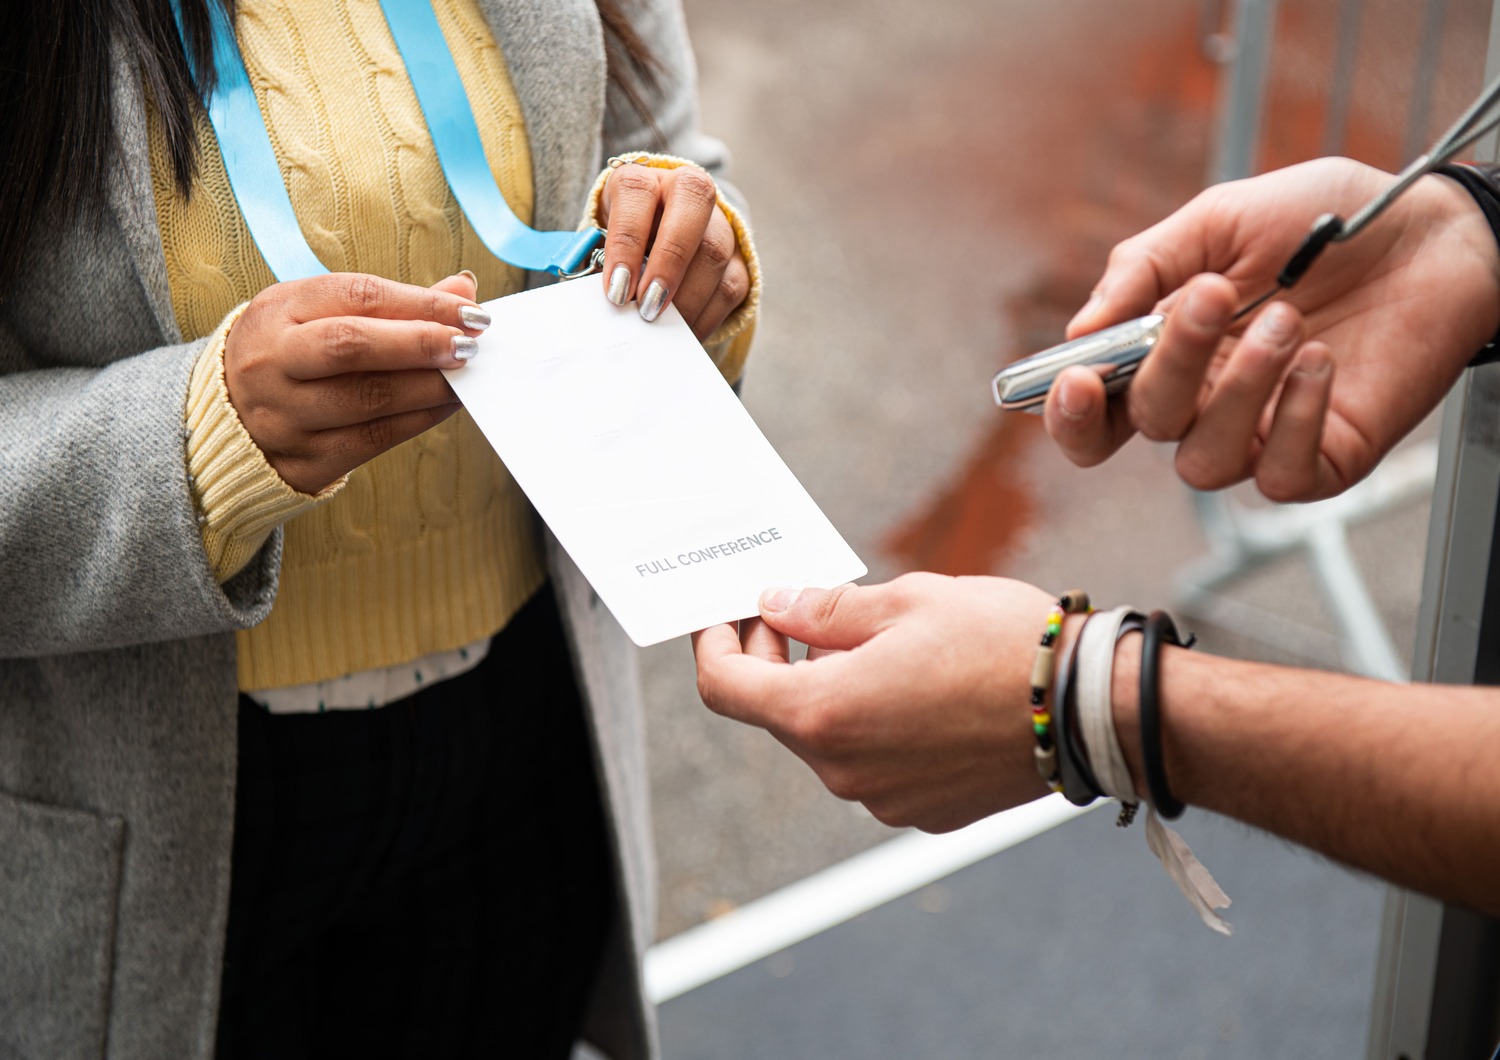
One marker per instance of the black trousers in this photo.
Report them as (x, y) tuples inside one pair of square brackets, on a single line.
[(427, 879)]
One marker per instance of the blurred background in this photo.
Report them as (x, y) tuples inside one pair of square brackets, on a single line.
[(935, 187)]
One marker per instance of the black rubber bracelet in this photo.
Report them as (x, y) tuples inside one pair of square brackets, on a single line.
[(1480, 183), (1159, 628), (1079, 786)]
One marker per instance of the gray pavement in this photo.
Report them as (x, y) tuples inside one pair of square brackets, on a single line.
[(934, 188), (1070, 946)]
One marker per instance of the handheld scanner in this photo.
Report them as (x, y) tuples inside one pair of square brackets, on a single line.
[(1115, 353)]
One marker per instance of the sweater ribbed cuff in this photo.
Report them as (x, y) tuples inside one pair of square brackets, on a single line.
[(729, 345), (239, 496)]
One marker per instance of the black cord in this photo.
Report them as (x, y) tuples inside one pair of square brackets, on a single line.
[(1159, 628), (1324, 231)]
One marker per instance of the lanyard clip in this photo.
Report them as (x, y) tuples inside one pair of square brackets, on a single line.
[(585, 256)]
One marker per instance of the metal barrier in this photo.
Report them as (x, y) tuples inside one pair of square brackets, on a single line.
[(1240, 537), (1437, 992)]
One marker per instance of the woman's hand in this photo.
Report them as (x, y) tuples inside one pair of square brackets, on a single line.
[(1324, 380), (668, 241), (329, 372), (914, 699)]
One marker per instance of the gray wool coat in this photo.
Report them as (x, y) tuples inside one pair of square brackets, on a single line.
[(117, 672)]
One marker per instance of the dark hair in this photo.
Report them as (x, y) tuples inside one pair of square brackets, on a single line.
[(57, 132), (631, 65)]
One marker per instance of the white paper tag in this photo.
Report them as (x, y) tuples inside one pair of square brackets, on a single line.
[(643, 462)]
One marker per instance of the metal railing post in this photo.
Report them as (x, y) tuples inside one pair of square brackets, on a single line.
[(1437, 987)]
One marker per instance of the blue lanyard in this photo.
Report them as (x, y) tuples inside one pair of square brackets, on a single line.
[(455, 135), (255, 177)]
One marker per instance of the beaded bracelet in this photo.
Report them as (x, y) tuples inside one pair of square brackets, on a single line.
[(1072, 602)]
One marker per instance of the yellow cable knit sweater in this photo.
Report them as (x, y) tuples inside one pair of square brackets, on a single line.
[(431, 545)]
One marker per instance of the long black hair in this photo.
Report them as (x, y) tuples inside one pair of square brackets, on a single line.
[(57, 132)]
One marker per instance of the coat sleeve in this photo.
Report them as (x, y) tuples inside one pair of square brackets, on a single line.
[(100, 544)]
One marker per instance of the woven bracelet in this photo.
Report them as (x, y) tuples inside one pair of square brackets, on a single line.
[(1080, 787)]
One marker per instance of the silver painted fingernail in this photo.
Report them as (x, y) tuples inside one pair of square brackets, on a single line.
[(654, 301), (619, 284), (474, 318), (465, 347)]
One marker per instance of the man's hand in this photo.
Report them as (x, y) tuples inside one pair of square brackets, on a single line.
[(898, 706), (1324, 380)]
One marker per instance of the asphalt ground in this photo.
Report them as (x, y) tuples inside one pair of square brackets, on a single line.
[(934, 189), (1071, 945)]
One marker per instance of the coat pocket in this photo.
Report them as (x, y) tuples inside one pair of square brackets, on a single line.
[(59, 888)]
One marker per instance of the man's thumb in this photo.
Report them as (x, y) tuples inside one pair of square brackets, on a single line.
[(835, 619)]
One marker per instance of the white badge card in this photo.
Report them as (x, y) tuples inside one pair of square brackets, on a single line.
[(643, 462)]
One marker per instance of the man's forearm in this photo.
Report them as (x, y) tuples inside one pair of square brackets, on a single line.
[(1399, 780)]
